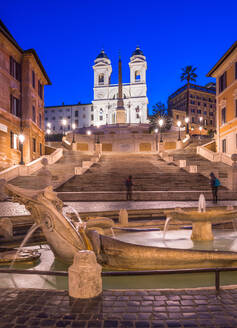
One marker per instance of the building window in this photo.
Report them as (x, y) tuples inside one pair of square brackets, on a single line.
[(177, 117), (40, 120), (223, 116), (211, 113), (84, 116), (13, 140), (15, 69), (204, 104), (15, 106), (53, 118), (205, 122), (193, 120), (33, 79), (76, 122), (92, 117), (40, 149), (138, 115), (101, 78), (192, 110), (69, 117), (76, 113), (210, 122), (101, 118), (33, 114), (34, 145), (199, 111), (224, 146), (68, 127), (137, 76), (222, 82), (205, 113), (92, 109), (40, 89)]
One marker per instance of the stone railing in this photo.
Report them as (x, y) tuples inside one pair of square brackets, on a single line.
[(79, 170), (66, 143), (28, 169), (213, 156)]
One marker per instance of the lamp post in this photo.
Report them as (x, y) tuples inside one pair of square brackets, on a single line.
[(21, 139), (156, 132), (187, 124), (98, 136), (201, 120), (49, 125), (200, 129), (161, 122), (73, 132), (179, 124), (64, 122)]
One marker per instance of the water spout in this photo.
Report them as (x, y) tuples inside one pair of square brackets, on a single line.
[(34, 227), (202, 203), (166, 226), (69, 207), (112, 231)]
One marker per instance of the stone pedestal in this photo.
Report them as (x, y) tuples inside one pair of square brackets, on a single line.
[(193, 169), (123, 217), (84, 276), (98, 148), (6, 228), (202, 231), (179, 144), (74, 146), (182, 163)]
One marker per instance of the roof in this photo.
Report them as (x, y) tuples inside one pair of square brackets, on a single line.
[(223, 58), (102, 54), (194, 87), (8, 35), (137, 52), (58, 106)]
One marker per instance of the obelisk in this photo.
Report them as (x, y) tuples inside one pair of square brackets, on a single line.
[(121, 115)]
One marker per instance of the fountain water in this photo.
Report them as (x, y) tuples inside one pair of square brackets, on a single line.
[(34, 227), (166, 226), (202, 203), (69, 207)]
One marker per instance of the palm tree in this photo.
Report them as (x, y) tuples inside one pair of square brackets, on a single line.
[(188, 74)]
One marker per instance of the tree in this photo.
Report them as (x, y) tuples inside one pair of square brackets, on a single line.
[(188, 74), (159, 111)]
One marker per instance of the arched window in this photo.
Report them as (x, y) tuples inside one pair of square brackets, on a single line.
[(101, 111), (124, 96), (137, 76), (101, 78), (137, 109)]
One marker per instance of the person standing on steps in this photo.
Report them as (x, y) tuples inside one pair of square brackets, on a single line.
[(215, 183), (129, 184)]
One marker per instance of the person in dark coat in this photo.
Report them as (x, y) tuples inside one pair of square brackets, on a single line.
[(129, 184), (214, 186)]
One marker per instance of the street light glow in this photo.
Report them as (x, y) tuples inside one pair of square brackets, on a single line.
[(48, 131), (64, 121), (156, 130), (186, 119), (88, 132), (179, 123), (73, 126), (201, 118), (49, 125), (200, 128), (161, 122), (21, 138)]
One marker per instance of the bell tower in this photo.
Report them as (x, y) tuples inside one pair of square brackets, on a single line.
[(102, 70), (138, 67)]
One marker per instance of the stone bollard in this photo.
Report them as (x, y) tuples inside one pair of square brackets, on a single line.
[(3, 195), (233, 181), (84, 276), (123, 217), (182, 163), (86, 164), (179, 144), (193, 169)]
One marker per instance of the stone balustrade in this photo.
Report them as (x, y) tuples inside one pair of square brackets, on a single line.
[(192, 169), (182, 163)]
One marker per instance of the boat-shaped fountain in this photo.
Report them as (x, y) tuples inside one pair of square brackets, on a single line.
[(66, 237)]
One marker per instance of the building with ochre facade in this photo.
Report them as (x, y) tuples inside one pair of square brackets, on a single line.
[(225, 72), (22, 80)]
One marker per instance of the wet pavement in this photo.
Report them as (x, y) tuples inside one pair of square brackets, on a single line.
[(23, 308), (15, 209)]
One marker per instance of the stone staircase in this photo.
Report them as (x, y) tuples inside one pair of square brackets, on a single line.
[(61, 171)]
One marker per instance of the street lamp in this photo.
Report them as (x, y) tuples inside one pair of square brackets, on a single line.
[(161, 122), (156, 132), (48, 131), (88, 132), (201, 119), (187, 124), (21, 139), (73, 132), (49, 125), (64, 122), (179, 124)]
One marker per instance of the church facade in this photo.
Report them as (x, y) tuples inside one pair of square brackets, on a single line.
[(134, 94)]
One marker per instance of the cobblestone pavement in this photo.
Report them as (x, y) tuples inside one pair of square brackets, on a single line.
[(23, 308), (13, 209)]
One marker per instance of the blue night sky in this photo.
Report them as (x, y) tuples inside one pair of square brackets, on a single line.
[(68, 35)]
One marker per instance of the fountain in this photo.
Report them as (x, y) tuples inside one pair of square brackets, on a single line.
[(66, 237)]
